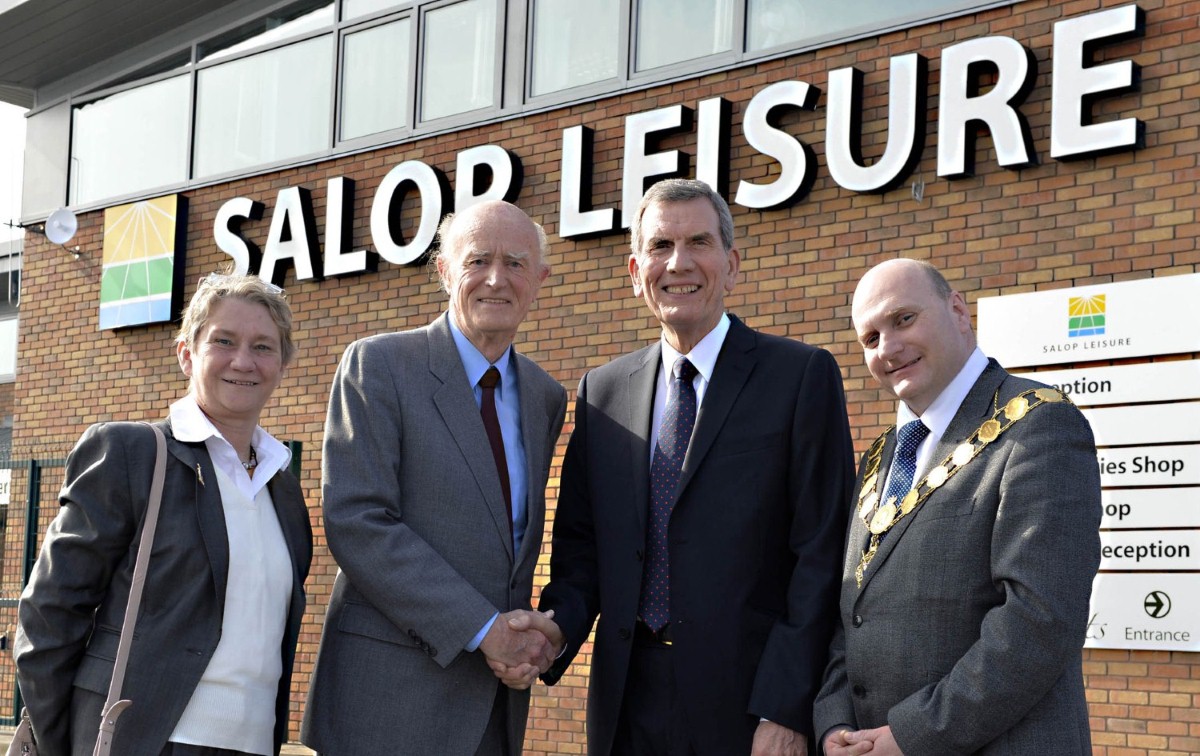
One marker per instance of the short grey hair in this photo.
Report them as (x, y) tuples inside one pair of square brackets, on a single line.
[(682, 190)]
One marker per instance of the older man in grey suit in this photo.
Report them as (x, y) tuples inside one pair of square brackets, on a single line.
[(972, 546), (437, 452)]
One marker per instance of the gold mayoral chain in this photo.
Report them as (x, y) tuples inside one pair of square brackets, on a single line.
[(881, 519)]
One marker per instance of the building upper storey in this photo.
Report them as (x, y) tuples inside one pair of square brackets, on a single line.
[(141, 97)]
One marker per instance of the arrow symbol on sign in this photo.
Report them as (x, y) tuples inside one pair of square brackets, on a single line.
[(1158, 604)]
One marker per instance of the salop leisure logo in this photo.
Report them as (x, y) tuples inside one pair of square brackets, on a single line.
[(142, 262), (1086, 316)]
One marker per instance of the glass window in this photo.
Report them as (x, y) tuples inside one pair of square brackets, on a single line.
[(458, 73), (10, 292), (8, 349), (358, 8), (264, 108), (10, 279), (672, 31), (284, 23), (574, 43), (130, 141), (771, 23), (375, 74)]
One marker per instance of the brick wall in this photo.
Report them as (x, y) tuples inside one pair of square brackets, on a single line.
[(1120, 217)]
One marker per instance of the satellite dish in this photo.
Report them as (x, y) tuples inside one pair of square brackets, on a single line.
[(61, 226)]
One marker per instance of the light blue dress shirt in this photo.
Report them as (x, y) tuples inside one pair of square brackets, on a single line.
[(508, 410)]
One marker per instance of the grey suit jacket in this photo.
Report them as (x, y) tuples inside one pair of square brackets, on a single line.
[(416, 520), (966, 635), (73, 608)]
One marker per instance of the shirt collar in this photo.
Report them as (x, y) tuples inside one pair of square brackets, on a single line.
[(939, 414), (703, 356), (473, 361), (190, 425)]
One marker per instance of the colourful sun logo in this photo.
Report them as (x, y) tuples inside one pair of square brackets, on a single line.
[(1086, 316), (137, 282)]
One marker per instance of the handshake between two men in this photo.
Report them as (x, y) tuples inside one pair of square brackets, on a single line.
[(522, 644)]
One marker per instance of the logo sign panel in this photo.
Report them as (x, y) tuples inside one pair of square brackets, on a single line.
[(1086, 323), (140, 277)]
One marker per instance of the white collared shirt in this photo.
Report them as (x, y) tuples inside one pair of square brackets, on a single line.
[(233, 705), (703, 357), (939, 414), (190, 425)]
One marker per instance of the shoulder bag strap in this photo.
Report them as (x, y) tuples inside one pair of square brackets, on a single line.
[(113, 706)]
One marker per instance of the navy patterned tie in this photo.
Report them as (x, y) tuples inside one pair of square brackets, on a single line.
[(904, 464), (678, 419)]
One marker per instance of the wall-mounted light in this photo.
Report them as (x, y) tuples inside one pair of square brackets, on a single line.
[(59, 228)]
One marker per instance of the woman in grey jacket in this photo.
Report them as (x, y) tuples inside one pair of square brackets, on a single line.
[(210, 665)]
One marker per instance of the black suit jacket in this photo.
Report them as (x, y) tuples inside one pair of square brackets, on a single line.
[(755, 537), (73, 608)]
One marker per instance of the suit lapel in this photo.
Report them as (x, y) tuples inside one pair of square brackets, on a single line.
[(734, 364), (642, 383), (455, 401), (210, 513), (976, 407), (283, 491), (858, 536), (533, 437)]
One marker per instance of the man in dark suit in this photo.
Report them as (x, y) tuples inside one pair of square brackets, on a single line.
[(971, 550), (701, 510), (434, 516)]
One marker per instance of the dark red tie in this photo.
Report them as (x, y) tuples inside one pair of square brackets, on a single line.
[(491, 423)]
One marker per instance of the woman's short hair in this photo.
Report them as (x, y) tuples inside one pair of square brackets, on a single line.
[(248, 288)]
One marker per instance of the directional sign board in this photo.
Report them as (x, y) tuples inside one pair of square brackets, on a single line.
[(1146, 421), (1125, 384), (1144, 611), (1142, 508)]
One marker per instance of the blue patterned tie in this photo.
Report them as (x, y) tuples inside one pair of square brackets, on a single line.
[(904, 464), (678, 419)]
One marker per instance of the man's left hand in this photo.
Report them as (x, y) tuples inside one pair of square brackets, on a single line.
[(771, 739), (881, 737)]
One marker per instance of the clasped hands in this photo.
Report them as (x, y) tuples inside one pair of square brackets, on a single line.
[(878, 742), (521, 645)]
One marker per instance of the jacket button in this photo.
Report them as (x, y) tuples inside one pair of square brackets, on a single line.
[(858, 620), (859, 691), (513, 585), (623, 633), (431, 651), (412, 633)]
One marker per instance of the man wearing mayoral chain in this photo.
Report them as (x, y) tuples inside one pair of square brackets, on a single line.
[(972, 546)]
